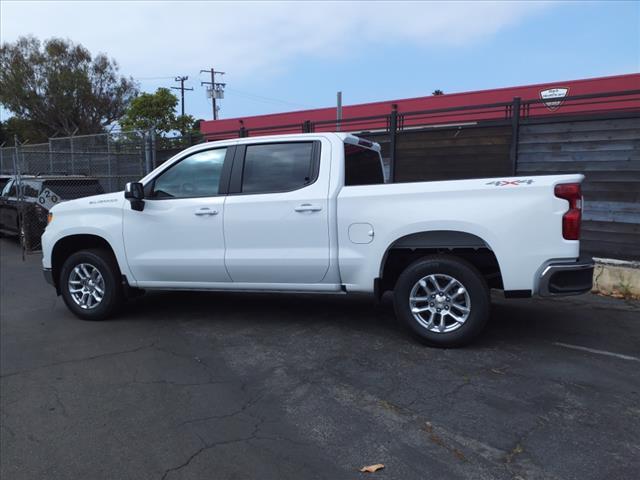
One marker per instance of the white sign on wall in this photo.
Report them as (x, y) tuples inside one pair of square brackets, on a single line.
[(553, 97)]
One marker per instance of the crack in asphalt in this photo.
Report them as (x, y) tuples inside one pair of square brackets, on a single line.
[(76, 360), (208, 446), (248, 404)]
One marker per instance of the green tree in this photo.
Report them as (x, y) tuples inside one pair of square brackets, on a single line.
[(156, 110), (437, 92), (151, 110), (23, 129), (57, 87)]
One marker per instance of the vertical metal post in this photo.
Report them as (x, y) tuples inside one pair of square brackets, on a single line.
[(306, 126), (393, 130), (19, 196), (154, 148), (50, 156), (71, 155), (339, 111), (147, 152), (2, 157), (109, 175), (243, 131), (515, 127)]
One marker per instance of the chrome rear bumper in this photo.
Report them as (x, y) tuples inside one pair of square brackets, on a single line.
[(566, 278)]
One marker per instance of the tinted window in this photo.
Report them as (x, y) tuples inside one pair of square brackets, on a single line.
[(277, 167), (31, 189), (197, 175), (11, 190), (7, 187), (362, 166), (74, 188)]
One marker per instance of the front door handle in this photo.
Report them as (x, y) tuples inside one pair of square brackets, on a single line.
[(205, 211), (308, 207)]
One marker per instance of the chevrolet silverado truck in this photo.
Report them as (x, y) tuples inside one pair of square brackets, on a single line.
[(312, 213)]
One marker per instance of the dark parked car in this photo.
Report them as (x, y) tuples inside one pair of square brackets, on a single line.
[(25, 213)]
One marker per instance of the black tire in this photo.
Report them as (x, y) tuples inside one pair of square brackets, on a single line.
[(471, 280), (105, 263)]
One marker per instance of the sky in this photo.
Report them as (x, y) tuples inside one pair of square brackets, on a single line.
[(283, 56)]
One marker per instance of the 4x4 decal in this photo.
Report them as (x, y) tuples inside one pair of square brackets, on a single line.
[(503, 183)]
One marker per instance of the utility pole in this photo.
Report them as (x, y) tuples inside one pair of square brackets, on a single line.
[(182, 89), (338, 111), (216, 90)]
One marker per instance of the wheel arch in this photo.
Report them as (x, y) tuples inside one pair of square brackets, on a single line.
[(405, 250), (70, 244)]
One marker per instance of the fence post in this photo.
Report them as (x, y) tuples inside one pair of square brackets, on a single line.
[(50, 156), (393, 130), (515, 127), (109, 162), (147, 152), (154, 147), (73, 169)]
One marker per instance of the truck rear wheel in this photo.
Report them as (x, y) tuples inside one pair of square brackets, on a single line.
[(442, 299), (90, 284)]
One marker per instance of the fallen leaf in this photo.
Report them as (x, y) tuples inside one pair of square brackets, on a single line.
[(372, 468)]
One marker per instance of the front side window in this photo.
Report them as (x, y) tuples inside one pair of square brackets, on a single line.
[(197, 175), (362, 166), (277, 167)]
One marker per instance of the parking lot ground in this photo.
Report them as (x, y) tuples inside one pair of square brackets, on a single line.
[(240, 386)]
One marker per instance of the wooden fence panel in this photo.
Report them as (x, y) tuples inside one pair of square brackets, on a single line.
[(453, 153), (607, 152)]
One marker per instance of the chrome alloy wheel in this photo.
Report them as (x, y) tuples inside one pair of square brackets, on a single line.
[(440, 303), (86, 286)]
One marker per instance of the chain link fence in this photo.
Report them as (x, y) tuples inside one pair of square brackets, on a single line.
[(35, 177)]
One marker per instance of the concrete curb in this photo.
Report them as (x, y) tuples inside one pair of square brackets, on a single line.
[(618, 278)]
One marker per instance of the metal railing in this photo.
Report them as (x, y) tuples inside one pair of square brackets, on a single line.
[(511, 113)]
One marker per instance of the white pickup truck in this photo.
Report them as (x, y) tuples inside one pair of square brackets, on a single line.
[(311, 213)]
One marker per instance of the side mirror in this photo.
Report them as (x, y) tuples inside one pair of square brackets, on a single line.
[(134, 192)]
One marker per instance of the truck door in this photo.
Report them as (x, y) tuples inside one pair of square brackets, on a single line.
[(177, 240), (276, 220)]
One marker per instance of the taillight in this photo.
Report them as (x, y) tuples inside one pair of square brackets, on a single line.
[(571, 220)]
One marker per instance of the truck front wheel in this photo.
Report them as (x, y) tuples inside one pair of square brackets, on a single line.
[(90, 286), (442, 299)]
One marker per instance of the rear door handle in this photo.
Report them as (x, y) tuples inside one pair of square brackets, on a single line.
[(205, 211), (308, 207)]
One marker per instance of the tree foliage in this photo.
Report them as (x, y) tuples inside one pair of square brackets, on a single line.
[(57, 87), (23, 129), (437, 92), (156, 111)]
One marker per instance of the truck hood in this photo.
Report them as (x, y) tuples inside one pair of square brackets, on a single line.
[(95, 201)]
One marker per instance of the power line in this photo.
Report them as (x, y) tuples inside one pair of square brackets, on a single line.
[(268, 99), (151, 78)]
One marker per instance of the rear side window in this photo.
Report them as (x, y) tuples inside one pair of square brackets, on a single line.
[(31, 189), (278, 167), (362, 166)]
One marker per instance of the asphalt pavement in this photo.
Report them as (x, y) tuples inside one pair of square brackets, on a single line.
[(263, 386)]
